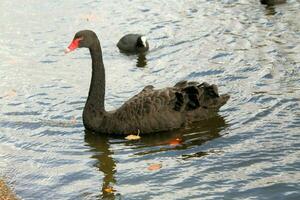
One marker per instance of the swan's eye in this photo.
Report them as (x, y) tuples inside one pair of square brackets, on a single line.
[(74, 45)]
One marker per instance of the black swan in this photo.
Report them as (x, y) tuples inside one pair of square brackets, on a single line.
[(133, 43), (150, 110), (272, 2)]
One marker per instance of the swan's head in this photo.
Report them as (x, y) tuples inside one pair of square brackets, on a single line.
[(84, 38)]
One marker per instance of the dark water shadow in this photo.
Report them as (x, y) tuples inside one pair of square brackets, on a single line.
[(193, 135), (272, 2), (106, 164), (270, 10), (141, 60), (270, 5)]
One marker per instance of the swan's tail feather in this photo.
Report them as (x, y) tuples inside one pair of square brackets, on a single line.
[(192, 95)]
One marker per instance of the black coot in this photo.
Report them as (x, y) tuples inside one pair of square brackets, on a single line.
[(133, 43)]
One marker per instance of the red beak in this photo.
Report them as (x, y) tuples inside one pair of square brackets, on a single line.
[(74, 45)]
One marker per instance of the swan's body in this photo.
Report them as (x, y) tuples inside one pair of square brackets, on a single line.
[(150, 110), (133, 43)]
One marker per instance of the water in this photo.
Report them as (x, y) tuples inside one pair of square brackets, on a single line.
[(250, 150)]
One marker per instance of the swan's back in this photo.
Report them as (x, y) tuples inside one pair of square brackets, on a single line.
[(165, 109)]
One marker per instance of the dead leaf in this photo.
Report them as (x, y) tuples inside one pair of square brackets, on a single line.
[(175, 142), (10, 94), (73, 120), (109, 189), (154, 166), (13, 61), (134, 137), (5, 192)]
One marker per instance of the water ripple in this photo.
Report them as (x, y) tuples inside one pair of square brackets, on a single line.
[(250, 150)]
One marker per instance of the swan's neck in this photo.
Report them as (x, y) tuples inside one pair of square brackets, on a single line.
[(95, 103)]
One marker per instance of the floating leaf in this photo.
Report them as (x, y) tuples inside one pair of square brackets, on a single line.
[(109, 189), (13, 61), (154, 166), (5, 192), (73, 120), (133, 137), (11, 93), (175, 142)]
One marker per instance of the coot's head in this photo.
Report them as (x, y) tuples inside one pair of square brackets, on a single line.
[(142, 44), (84, 38)]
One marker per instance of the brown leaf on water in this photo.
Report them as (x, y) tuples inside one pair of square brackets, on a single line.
[(109, 189), (13, 61), (73, 120), (5, 192), (10, 94), (175, 142), (133, 137), (154, 166)]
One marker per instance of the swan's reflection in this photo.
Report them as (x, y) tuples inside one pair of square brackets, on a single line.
[(272, 2), (270, 5), (193, 135), (270, 10), (105, 164)]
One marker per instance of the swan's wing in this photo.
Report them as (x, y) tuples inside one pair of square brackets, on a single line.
[(193, 95), (183, 97), (147, 102)]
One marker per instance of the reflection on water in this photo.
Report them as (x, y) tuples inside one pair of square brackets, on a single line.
[(270, 5), (270, 10), (141, 60), (100, 147), (272, 2), (193, 135)]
